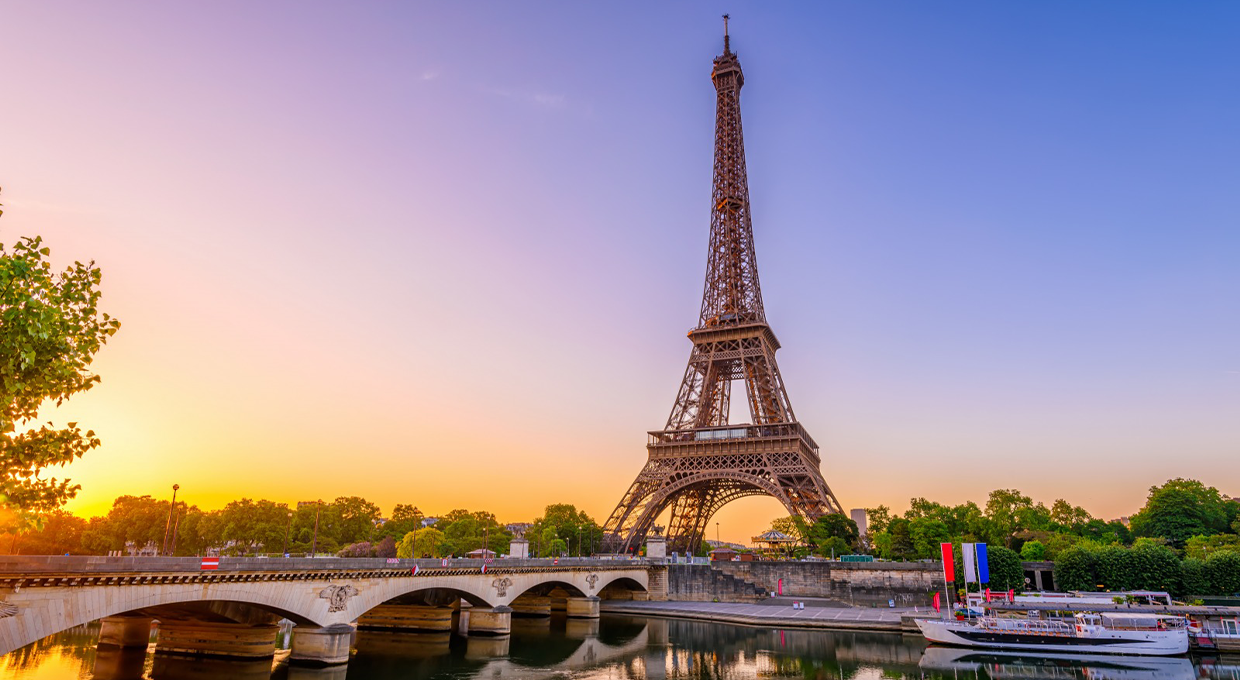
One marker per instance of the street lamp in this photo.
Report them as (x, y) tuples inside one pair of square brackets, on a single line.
[(168, 525), (717, 534), (287, 529), (176, 527), (314, 545), (413, 549)]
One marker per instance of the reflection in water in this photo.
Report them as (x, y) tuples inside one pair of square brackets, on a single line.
[(613, 647)]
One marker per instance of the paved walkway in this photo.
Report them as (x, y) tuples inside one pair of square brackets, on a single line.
[(767, 615)]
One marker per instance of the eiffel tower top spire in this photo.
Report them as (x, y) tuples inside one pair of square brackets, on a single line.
[(732, 295)]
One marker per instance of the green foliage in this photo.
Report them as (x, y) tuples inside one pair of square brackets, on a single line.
[(357, 519), (245, 527), (1115, 568), (1076, 568), (50, 330), (576, 532), (430, 543), (1006, 572), (1194, 578), (1181, 509), (58, 533), (404, 519), (465, 531), (1155, 567), (1068, 517), (1202, 546), (1223, 571), (876, 520), (1033, 551), (926, 534), (831, 532)]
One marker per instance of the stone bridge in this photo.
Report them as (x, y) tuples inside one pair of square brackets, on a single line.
[(232, 611)]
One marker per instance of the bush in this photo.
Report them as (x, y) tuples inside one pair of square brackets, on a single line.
[(1194, 578), (1033, 551), (1114, 569), (1154, 567), (1223, 570), (1076, 569), (359, 549), (1006, 572), (386, 547)]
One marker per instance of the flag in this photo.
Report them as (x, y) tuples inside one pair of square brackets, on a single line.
[(988, 594), (983, 565), (1011, 595), (949, 569), (209, 563), (414, 571), (936, 602), (970, 562), (484, 568), (445, 561)]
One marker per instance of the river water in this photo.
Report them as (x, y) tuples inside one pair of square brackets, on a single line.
[(617, 647)]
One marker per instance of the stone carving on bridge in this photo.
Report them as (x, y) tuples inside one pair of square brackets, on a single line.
[(7, 610), (592, 579), (337, 596), (501, 585)]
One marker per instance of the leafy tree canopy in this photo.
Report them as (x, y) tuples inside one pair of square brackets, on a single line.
[(1181, 509), (50, 329)]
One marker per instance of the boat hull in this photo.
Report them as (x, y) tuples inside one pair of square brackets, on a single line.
[(1155, 643)]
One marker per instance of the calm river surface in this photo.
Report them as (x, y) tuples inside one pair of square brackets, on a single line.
[(614, 647)]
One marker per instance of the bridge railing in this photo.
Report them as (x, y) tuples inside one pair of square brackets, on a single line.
[(52, 564)]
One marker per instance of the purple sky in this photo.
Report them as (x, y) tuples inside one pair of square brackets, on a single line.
[(448, 254)]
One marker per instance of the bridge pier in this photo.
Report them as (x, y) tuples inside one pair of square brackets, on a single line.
[(531, 605), (209, 638), (582, 607), (496, 621), (118, 663), (325, 646), (407, 617), (125, 631), (481, 648)]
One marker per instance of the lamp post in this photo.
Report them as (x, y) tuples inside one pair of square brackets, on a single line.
[(717, 534), (168, 526), (318, 510), (413, 549), (176, 526), (287, 529)]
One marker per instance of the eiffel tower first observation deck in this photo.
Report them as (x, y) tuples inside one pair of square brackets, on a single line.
[(699, 462)]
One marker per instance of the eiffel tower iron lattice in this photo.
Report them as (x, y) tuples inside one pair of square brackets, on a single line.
[(699, 462)]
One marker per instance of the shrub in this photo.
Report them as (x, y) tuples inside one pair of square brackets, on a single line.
[(1033, 551), (1194, 578), (1223, 570), (1076, 569)]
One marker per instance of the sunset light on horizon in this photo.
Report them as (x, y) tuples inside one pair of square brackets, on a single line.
[(448, 257)]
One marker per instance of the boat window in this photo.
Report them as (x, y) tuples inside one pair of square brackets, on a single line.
[(1231, 626)]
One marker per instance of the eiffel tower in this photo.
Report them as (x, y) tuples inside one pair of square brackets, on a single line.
[(699, 462)]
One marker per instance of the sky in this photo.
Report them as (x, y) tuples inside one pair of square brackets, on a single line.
[(447, 253)]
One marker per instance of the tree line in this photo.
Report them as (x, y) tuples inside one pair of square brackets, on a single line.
[(349, 526)]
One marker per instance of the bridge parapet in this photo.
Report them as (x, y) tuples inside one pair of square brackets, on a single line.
[(69, 564)]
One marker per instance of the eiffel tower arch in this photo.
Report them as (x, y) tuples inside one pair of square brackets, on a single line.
[(699, 462)]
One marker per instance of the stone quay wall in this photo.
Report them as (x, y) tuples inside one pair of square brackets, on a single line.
[(855, 583)]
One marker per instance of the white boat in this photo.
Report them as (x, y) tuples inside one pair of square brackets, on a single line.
[(1101, 633)]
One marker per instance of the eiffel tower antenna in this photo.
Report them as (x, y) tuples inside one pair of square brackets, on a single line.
[(699, 462)]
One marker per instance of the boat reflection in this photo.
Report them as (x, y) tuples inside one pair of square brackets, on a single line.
[(1004, 665)]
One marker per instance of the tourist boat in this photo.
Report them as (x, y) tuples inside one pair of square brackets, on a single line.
[(1002, 665), (1105, 633)]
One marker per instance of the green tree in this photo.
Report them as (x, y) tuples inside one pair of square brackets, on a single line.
[(876, 519), (404, 519), (579, 532), (358, 517), (133, 522), (1068, 517), (926, 535), (50, 330), (832, 526), (1033, 551), (1223, 570), (1076, 568), (1181, 509), (1115, 568), (1201, 546), (466, 531), (430, 542)]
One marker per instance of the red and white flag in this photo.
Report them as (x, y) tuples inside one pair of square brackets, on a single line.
[(484, 568), (949, 567), (414, 572), (210, 563)]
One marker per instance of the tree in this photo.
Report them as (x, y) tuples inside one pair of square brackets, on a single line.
[(1201, 546), (1068, 517), (1115, 568), (579, 532), (877, 519), (926, 535), (832, 533), (248, 526), (430, 543), (386, 547), (466, 531), (404, 519), (357, 518), (133, 522), (1033, 551), (1181, 509), (58, 533), (50, 330), (1009, 511)]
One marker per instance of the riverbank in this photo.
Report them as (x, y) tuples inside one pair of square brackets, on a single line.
[(891, 620)]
